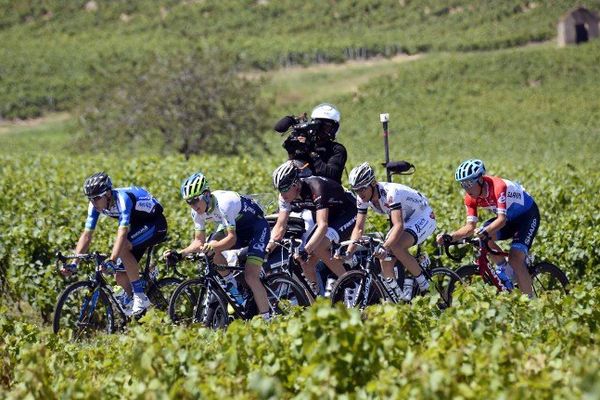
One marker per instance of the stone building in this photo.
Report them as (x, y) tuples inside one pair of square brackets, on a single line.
[(577, 26)]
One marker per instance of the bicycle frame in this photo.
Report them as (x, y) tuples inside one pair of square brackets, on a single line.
[(292, 268), (212, 285), (482, 250)]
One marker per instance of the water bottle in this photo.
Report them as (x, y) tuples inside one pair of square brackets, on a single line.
[(392, 285), (329, 286), (153, 272), (424, 260), (501, 273), (230, 285)]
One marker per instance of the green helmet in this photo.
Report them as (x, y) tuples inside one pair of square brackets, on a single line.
[(194, 186)]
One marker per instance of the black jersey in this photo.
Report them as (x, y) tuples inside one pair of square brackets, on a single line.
[(317, 193)]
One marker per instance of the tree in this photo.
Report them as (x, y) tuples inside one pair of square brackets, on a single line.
[(191, 103)]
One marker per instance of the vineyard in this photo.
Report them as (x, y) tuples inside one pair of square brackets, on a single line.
[(53, 51), (531, 113)]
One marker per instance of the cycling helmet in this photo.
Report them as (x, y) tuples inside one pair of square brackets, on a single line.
[(194, 186), (361, 176), (285, 176), (469, 170), (330, 115), (97, 185)]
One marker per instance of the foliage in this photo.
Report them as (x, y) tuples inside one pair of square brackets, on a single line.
[(190, 103), (487, 346), (88, 48)]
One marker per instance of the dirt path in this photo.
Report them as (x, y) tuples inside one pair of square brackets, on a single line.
[(10, 126)]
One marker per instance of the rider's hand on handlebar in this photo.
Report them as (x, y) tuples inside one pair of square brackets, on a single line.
[(172, 256), (443, 238), (381, 252), (208, 249), (482, 233), (109, 266), (68, 269)]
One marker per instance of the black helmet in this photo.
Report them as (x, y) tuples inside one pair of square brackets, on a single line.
[(97, 185)]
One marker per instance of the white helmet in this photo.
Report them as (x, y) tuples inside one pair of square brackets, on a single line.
[(361, 176), (469, 170), (326, 111), (285, 176)]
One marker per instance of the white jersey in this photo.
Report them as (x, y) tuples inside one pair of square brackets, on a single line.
[(224, 210), (395, 196)]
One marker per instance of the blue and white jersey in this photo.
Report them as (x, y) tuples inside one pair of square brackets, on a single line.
[(229, 210), (130, 205)]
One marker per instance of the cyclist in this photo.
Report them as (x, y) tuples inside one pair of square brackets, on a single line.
[(412, 219), (241, 223), (141, 225), (334, 212), (517, 217)]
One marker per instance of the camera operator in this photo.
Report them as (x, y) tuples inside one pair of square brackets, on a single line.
[(313, 142), (312, 147)]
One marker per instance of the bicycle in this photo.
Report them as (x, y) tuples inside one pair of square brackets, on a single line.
[(364, 285), (90, 305), (545, 275), (206, 300)]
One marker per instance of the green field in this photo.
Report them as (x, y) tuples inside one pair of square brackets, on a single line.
[(53, 52), (530, 112)]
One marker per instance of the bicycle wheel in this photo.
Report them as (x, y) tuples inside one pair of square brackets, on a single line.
[(547, 277), (84, 309), (443, 281), (284, 293), (160, 292), (185, 300), (351, 289), (469, 274)]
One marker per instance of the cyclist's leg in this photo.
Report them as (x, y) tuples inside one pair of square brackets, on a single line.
[(140, 237), (219, 258), (309, 267), (504, 233), (340, 229), (522, 241), (323, 253), (399, 249), (416, 230), (256, 254)]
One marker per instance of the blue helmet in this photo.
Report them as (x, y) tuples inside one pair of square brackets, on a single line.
[(469, 170)]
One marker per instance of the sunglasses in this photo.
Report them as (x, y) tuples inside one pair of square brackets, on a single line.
[(96, 198), (360, 189), (468, 184), (193, 200), (287, 189)]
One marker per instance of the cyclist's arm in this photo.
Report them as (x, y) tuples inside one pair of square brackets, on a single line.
[(280, 226), (84, 243), (319, 233), (226, 243), (464, 231), (357, 232), (120, 243), (495, 226), (197, 243), (397, 228)]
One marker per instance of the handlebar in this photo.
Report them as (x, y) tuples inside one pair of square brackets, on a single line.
[(83, 257), (476, 242)]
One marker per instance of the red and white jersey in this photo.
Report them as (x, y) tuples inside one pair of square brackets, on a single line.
[(500, 196)]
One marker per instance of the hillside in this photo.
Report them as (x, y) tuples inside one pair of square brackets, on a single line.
[(52, 52)]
